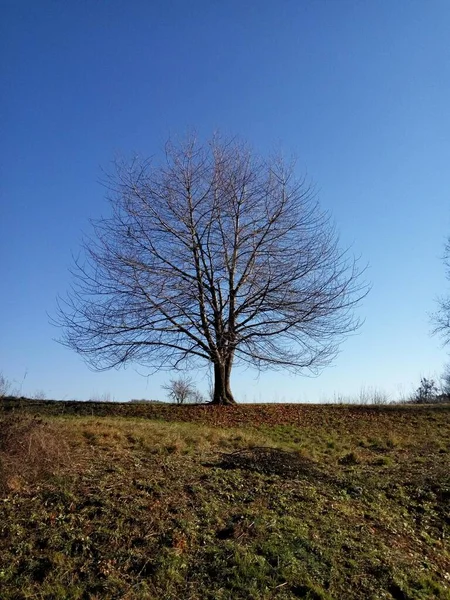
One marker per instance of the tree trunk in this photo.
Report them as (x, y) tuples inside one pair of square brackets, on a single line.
[(222, 389)]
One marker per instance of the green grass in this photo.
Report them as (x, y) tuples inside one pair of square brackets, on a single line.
[(137, 508)]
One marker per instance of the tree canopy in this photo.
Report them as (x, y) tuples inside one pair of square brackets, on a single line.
[(214, 254)]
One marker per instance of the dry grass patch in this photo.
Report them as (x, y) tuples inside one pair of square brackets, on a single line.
[(30, 449), (157, 437)]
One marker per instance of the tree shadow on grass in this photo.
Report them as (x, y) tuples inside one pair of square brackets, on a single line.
[(272, 461)]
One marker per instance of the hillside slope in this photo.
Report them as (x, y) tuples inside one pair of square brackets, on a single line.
[(248, 502)]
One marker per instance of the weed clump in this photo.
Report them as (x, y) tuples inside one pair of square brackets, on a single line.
[(351, 458)]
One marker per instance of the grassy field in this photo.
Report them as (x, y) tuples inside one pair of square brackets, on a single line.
[(248, 502)]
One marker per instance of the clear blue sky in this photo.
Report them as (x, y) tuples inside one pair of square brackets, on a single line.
[(358, 90)]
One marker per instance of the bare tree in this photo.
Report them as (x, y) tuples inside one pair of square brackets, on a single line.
[(182, 391), (441, 319), (426, 393), (445, 381), (217, 255)]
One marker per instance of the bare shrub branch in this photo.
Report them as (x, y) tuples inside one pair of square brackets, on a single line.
[(5, 386)]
